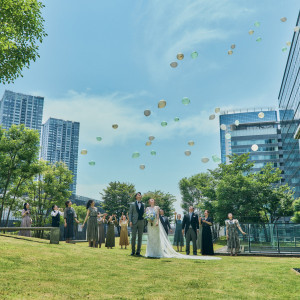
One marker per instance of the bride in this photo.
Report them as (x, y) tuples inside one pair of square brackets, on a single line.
[(158, 245)]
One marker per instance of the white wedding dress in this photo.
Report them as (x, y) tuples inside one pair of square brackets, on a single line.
[(159, 246)]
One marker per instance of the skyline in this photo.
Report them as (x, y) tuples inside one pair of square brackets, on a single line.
[(116, 63)]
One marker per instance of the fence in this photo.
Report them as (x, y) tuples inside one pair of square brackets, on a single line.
[(271, 238)]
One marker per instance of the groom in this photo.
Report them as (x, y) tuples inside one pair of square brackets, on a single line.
[(190, 227), (136, 219)]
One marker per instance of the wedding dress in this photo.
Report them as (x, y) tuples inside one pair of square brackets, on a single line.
[(159, 246)]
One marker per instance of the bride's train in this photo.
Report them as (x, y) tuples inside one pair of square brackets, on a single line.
[(159, 246)]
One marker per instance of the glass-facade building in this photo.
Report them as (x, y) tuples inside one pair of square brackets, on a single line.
[(17, 108), (60, 141), (289, 104)]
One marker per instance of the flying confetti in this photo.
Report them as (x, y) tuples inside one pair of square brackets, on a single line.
[(153, 152), (194, 55), (176, 119), (254, 147), (251, 32), (83, 151), (162, 104), (163, 123), (191, 143), (256, 24), (92, 163), (261, 115), (232, 46), (217, 110), (174, 64), (205, 160), (180, 56), (185, 100), (283, 19), (216, 159), (99, 138), (237, 122), (223, 127), (147, 112), (187, 152), (297, 28), (230, 52), (142, 167), (151, 138), (135, 155), (284, 49), (115, 126), (212, 117), (259, 39), (288, 44), (148, 143), (227, 136)]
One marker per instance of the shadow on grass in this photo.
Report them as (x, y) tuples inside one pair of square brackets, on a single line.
[(19, 237)]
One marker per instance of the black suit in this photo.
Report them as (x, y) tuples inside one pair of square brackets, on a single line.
[(165, 223), (190, 226)]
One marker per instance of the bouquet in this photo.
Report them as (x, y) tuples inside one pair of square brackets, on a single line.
[(150, 216)]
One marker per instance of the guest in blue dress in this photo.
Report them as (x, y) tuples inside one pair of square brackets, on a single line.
[(178, 237)]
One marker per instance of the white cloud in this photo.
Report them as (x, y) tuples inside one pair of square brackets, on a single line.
[(168, 27), (97, 113)]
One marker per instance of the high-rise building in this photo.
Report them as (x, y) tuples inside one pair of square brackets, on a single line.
[(60, 141), (289, 104), (252, 127), (17, 108)]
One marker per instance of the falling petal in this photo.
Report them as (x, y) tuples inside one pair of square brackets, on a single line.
[(259, 39), (187, 152), (205, 160), (216, 158), (191, 143), (288, 44), (261, 115), (217, 110), (256, 24), (99, 138), (153, 152), (283, 19), (176, 119), (115, 126), (232, 46), (284, 49), (251, 32), (237, 122), (212, 117), (148, 143), (230, 52), (92, 163), (83, 151), (142, 167), (151, 138), (296, 29), (163, 123), (227, 136)]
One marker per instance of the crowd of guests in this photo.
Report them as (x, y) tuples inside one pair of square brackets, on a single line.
[(185, 227)]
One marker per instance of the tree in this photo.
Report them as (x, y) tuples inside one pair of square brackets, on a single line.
[(296, 208), (117, 197), (197, 191), (51, 186), (21, 29), (165, 201), (19, 148)]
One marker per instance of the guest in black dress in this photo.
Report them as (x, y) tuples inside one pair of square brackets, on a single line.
[(69, 216), (207, 244), (55, 214)]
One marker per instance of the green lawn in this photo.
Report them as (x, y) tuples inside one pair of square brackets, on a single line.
[(31, 270)]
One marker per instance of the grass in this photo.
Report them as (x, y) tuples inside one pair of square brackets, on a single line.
[(30, 270)]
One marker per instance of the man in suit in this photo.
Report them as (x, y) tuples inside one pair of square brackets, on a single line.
[(164, 222), (190, 227), (136, 219)]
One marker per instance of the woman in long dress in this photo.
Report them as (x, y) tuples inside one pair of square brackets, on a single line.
[(158, 245), (69, 217), (124, 241), (26, 220), (207, 243), (178, 236), (233, 241), (92, 224), (110, 235), (101, 232)]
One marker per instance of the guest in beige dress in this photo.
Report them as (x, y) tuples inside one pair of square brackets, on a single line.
[(124, 241), (101, 232), (26, 220)]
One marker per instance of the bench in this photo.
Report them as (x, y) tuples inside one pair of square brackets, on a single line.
[(54, 231)]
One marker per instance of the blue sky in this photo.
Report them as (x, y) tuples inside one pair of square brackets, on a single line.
[(105, 62)]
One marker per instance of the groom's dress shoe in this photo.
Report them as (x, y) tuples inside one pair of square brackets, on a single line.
[(138, 254), (132, 254), (188, 253), (195, 253)]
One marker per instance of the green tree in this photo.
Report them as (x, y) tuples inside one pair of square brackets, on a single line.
[(117, 197), (51, 186), (21, 30), (80, 212), (19, 148), (296, 208), (165, 201), (197, 190)]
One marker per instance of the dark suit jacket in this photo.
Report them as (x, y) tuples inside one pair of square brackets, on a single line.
[(165, 224), (194, 223)]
